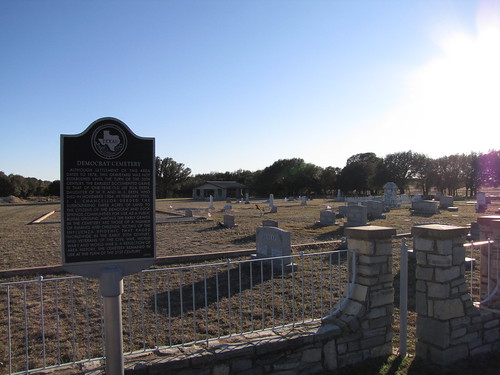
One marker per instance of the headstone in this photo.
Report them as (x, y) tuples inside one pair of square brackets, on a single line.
[(445, 201), (274, 242), (274, 210), (425, 207), (247, 200), (188, 213), (404, 199), (356, 216), (375, 209), (417, 197), (211, 206), (303, 201), (481, 202), (391, 195), (327, 217), (343, 211), (229, 221), (475, 232), (269, 223), (227, 207), (339, 196), (271, 200)]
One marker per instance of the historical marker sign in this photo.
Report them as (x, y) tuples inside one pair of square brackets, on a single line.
[(108, 199)]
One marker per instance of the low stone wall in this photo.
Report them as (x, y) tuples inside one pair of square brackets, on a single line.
[(359, 330)]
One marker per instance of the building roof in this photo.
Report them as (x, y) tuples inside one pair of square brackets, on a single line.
[(225, 185)]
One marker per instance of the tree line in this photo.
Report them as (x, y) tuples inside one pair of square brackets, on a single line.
[(23, 187), (363, 174)]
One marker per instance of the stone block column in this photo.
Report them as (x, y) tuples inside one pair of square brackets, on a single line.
[(446, 315), (485, 226), (366, 316), (490, 261)]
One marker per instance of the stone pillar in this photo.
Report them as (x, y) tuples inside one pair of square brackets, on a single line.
[(485, 226), (366, 316), (490, 261), (445, 312)]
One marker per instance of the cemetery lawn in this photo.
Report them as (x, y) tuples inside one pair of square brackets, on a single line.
[(25, 245)]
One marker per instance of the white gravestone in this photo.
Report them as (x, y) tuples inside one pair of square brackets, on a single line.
[(271, 200), (481, 201), (425, 207), (356, 216), (303, 201), (274, 242), (247, 199), (391, 195), (211, 206)]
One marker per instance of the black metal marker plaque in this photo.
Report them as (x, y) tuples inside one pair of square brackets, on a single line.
[(107, 199)]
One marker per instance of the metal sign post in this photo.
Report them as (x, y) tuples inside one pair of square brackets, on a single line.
[(108, 215), (111, 288)]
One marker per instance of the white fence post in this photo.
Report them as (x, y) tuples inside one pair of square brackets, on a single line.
[(403, 298)]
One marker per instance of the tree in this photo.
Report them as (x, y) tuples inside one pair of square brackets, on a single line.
[(359, 173), (489, 165), (451, 175), (54, 188), (329, 180), (6, 187), (169, 176), (471, 173), (425, 172), (19, 186), (288, 177), (401, 168)]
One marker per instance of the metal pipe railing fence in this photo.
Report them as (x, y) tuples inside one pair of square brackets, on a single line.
[(483, 264), (48, 323)]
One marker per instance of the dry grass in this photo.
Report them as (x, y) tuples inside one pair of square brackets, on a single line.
[(23, 245), (30, 245)]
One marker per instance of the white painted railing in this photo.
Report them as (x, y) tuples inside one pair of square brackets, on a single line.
[(49, 323), (482, 259)]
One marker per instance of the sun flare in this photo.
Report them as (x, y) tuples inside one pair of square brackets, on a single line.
[(454, 98)]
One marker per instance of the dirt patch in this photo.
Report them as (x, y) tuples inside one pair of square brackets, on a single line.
[(10, 199)]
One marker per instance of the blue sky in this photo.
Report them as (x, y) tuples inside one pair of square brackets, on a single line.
[(228, 85)]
